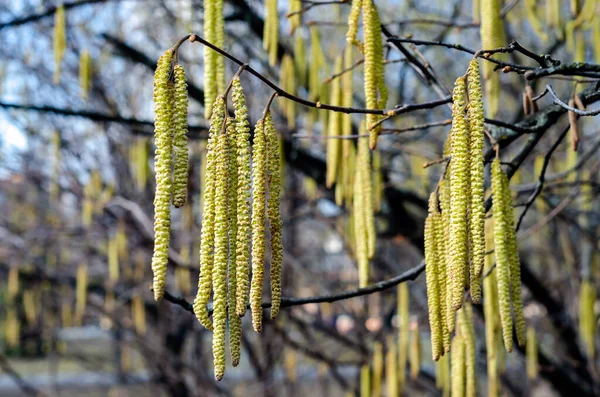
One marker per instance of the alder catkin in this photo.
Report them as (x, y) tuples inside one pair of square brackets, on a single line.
[(432, 271), (163, 110), (459, 194), (259, 203), (501, 253), (180, 128), (244, 178), (207, 242), (457, 364), (274, 215), (219, 271)]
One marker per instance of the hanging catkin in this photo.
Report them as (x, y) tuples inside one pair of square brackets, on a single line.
[(468, 333), (531, 354), (432, 271), (492, 36), (353, 23), (391, 368), (364, 222), (271, 31), (244, 176), (219, 40), (300, 59), (477, 210), (587, 315), (208, 219), (210, 57), (180, 149), (375, 94), (275, 222), (445, 206), (377, 368), (85, 73), (59, 40), (403, 332), (457, 363), (334, 129), (501, 253), (414, 354), (459, 194), (163, 109), (259, 205), (491, 314)]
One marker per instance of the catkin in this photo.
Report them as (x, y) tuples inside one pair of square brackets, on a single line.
[(492, 36), (403, 332), (365, 381), (377, 368), (219, 40), (353, 23), (244, 176), (587, 315), (391, 368), (208, 219), (59, 40), (468, 333), (363, 212), (514, 264), (210, 57), (432, 271), (414, 354), (531, 354), (334, 129), (501, 253), (259, 182), (85, 73), (457, 364), (477, 210), (219, 271), (180, 149), (300, 59), (163, 110), (490, 311), (274, 215), (445, 206), (459, 194)]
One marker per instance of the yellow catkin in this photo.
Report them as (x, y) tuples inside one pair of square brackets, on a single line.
[(219, 40), (457, 363), (403, 332), (532, 354), (391, 368), (531, 9), (490, 311), (290, 365), (12, 329), (235, 321), (138, 314), (514, 264), (300, 59), (468, 333), (13, 283), (334, 129), (501, 253), (587, 316), (445, 206), (163, 110), (492, 36), (374, 95), (274, 215), (81, 293), (208, 216), (432, 271), (30, 306), (442, 375), (377, 368), (210, 57), (353, 23), (346, 173), (180, 128), (296, 19), (477, 210), (288, 81), (113, 260), (259, 203), (442, 279), (364, 226), (377, 181), (476, 11), (219, 271), (414, 353), (244, 176), (459, 194), (271, 31), (59, 40), (85, 73), (365, 381)]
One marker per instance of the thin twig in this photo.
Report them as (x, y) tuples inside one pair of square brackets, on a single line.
[(578, 112)]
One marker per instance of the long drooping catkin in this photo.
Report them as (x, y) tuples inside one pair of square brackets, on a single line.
[(492, 36), (459, 194), (271, 31), (219, 40), (85, 73), (403, 332), (445, 206), (391, 368), (364, 221), (274, 215), (468, 333), (377, 368), (259, 205), (514, 264), (334, 129), (163, 109), (180, 149), (532, 354), (432, 271), (208, 219), (221, 256), (353, 23), (441, 278), (457, 365), (210, 57), (587, 316), (501, 253), (59, 40), (477, 210), (490, 311), (244, 178)]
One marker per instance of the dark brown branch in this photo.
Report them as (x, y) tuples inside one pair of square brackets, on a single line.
[(571, 69)]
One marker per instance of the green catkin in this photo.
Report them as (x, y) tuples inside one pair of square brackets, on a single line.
[(244, 179), (490, 311), (85, 73), (445, 206), (259, 203), (492, 36), (531, 354), (275, 222), (360, 238), (334, 129), (374, 96), (587, 316), (208, 219), (296, 18), (459, 194), (59, 40), (180, 149), (353, 23), (219, 271), (391, 368), (367, 186), (468, 333), (441, 278), (271, 31), (414, 355), (300, 59), (163, 110), (514, 265), (235, 321), (477, 210), (219, 21), (365, 381), (457, 364), (403, 332), (501, 253), (377, 368), (210, 57), (377, 181), (432, 271)]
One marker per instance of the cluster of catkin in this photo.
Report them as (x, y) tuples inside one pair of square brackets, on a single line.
[(170, 160), (376, 93), (241, 198), (455, 242)]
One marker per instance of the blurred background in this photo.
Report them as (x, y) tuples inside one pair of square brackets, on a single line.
[(76, 217)]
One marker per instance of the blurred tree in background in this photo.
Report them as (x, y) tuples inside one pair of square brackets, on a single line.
[(77, 188)]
